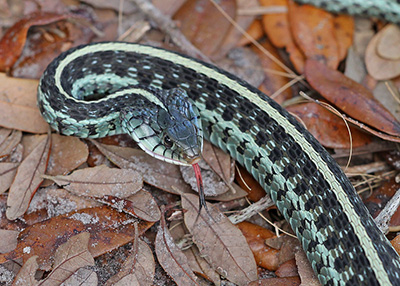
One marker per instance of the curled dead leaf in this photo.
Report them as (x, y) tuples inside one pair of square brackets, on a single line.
[(100, 181), (224, 246), (28, 179), (351, 97)]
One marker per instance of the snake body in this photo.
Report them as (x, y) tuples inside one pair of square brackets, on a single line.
[(340, 238), (388, 10)]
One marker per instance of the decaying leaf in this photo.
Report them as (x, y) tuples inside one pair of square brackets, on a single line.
[(13, 41), (108, 228), (138, 268), (329, 129), (9, 141), (351, 97), (28, 179), (18, 108), (8, 241), (155, 172), (100, 181), (67, 154), (220, 242), (7, 174), (140, 204), (172, 258), (314, 33), (68, 259), (382, 61)]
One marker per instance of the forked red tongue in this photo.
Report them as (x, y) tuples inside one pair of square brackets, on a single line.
[(202, 201)]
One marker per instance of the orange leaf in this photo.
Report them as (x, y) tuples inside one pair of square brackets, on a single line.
[(108, 230), (256, 235), (314, 33), (351, 97), (328, 128), (13, 41)]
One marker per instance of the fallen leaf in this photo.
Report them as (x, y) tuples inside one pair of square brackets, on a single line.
[(314, 33), (197, 263), (329, 129), (287, 269), (100, 181), (265, 256), (13, 40), (138, 268), (220, 242), (172, 258), (8, 241), (344, 32), (67, 154), (28, 179), (389, 41), (351, 97), (288, 281), (9, 141), (273, 81), (69, 257), (141, 205), (155, 172), (26, 275), (82, 277), (250, 185), (7, 174), (108, 230), (306, 272), (277, 28), (381, 68), (18, 108)]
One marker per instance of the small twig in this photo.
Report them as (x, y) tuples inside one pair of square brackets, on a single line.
[(165, 24), (251, 210), (382, 220)]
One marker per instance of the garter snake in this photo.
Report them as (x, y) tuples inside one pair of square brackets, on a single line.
[(341, 240)]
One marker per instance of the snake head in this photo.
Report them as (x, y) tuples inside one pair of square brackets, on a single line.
[(166, 125)]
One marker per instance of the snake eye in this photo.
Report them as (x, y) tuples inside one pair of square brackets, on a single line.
[(168, 142)]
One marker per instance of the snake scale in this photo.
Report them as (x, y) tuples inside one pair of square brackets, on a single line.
[(340, 238)]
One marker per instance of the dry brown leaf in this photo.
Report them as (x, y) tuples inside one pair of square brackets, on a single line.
[(9, 142), (351, 97), (197, 263), (28, 179), (100, 181), (141, 205), (109, 229), (8, 241), (155, 172), (213, 185), (219, 161), (389, 42), (26, 275), (138, 268), (378, 67), (273, 81), (220, 242), (67, 154), (171, 258), (18, 108), (69, 257), (82, 277), (7, 174), (306, 272)]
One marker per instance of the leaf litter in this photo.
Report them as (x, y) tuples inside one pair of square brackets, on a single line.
[(58, 216)]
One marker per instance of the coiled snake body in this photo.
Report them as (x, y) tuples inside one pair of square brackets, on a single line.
[(341, 240)]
